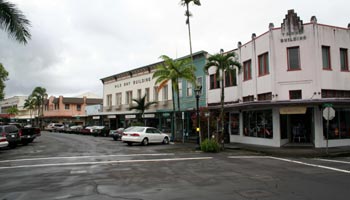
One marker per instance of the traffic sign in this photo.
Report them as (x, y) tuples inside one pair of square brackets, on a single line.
[(328, 113)]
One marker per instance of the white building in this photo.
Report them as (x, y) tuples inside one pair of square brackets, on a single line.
[(288, 74), (23, 115)]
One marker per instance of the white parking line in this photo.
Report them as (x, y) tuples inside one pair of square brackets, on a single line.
[(336, 161), (78, 157), (293, 161), (106, 162)]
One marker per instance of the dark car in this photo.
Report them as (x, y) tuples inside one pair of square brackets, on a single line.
[(12, 134), (116, 134), (100, 131)]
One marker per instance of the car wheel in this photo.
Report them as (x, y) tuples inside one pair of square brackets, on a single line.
[(115, 138), (13, 145), (145, 142), (166, 140), (129, 143)]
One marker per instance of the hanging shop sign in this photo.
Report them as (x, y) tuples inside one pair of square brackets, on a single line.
[(111, 116), (130, 116)]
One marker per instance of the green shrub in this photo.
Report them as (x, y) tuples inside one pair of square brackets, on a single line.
[(210, 146)]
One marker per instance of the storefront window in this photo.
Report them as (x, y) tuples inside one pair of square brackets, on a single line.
[(258, 123), (234, 124), (339, 126)]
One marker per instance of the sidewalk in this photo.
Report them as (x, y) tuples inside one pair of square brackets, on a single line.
[(298, 151)]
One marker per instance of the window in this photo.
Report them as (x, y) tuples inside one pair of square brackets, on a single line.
[(66, 106), (147, 94), (295, 94), (258, 123), (109, 100), (155, 94), (339, 127), (214, 82), (230, 78), (139, 94), (263, 64), (265, 96), (57, 106), (165, 93), (344, 62), (189, 89), (118, 99), (293, 58), (335, 93), (128, 99), (248, 98), (234, 123), (180, 88), (78, 107), (247, 70), (326, 58)]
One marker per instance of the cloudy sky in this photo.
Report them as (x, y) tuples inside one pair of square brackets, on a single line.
[(75, 43)]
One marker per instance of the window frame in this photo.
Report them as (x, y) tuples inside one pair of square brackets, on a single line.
[(288, 58), (329, 64), (265, 69), (293, 91), (67, 106), (215, 84), (231, 78), (118, 99), (78, 107), (346, 60), (189, 89), (247, 70)]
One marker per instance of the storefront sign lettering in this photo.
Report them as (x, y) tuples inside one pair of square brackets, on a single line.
[(293, 39), (134, 82)]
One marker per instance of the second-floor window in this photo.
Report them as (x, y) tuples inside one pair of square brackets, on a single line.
[(128, 99), (230, 78), (263, 64), (66, 106), (139, 94), (295, 94), (165, 93), (214, 81), (57, 106), (109, 100), (293, 54), (180, 87), (247, 70), (265, 96), (147, 94), (118, 99), (78, 107), (326, 58), (344, 62), (189, 89), (155, 94)]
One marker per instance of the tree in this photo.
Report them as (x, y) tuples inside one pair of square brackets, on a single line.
[(142, 105), (39, 94), (13, 110), (172, 71), (188, 15), (3, 77), (14, 22), (223, 63), (30, 104)]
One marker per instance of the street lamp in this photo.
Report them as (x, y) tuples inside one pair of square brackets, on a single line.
[(198, 92)]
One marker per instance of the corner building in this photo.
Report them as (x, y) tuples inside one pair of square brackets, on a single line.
[(288, 75)]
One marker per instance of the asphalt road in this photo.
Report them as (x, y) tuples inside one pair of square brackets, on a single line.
[(64, 166)]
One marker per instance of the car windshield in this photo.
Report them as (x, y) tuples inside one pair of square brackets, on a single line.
[(135, 128)]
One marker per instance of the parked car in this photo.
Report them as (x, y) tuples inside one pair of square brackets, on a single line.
[(74, 129), (100, 131), (144, 135), (12, 134), (87, 130), (116, 134), (3, 141), (27, 133), (55, 127)]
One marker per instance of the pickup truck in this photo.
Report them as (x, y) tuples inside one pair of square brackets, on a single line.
[(28, 134)]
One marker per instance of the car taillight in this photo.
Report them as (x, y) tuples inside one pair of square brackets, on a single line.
[(135, 134), (124, 134), (20, 133), (3, 139)]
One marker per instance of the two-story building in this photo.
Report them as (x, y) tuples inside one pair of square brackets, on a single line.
[(119, 90), (288, 74), (23, 116)]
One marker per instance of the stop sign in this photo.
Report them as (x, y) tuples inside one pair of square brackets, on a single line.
[(328, 113)]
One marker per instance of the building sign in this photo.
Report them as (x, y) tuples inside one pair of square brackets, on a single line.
[(130, 116), (292, 28), (148, 115), (96, 117), (293, 39), (111, 116), (134, 82), (292, 110)]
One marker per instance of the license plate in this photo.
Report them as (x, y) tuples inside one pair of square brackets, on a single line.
[(12, 135), (28, 136)]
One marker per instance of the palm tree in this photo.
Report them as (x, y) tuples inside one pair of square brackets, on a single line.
[(171, 71), (39, 94), (223, 63), (142, 105), (3, 77), (14, 22), (13, 110), (30, 104), (188, 15)]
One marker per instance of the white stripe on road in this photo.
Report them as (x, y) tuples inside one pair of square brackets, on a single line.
[(106, 162), (293, 161), (77, 157), (336, 161)]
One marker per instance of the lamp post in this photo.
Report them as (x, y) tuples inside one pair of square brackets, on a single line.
[(198, 91)]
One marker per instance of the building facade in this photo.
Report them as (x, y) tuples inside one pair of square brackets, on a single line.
[(24, 115), (288, 75), (119, 90)]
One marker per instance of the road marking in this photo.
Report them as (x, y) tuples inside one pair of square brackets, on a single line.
[(77, 157), (297, 162), (336, 161), (106, 162)]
